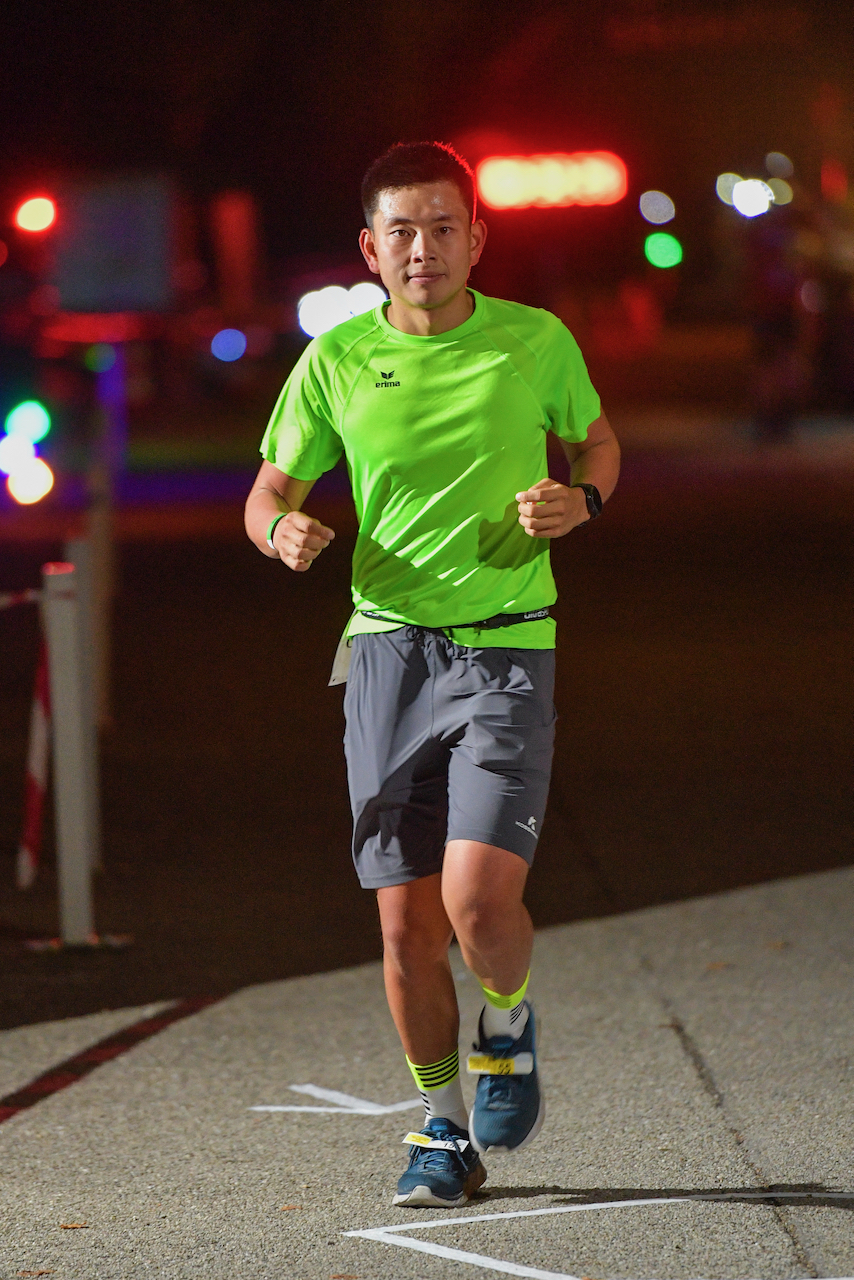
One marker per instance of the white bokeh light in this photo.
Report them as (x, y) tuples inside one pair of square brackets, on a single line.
[(15, 452), (657, 207), (724, 185), (752, 197), (365, 296), (322, 309), (30, 483)]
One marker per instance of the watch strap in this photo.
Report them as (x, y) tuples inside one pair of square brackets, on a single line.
[(592, 497)]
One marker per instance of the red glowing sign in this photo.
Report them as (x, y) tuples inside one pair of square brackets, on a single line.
[(552, 181)]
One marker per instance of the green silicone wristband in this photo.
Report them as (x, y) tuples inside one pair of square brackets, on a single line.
[(272, 527)]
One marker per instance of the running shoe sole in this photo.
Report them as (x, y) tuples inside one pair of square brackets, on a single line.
[(422, 1197)]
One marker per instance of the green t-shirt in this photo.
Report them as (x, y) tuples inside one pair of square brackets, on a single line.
[(440, 433)]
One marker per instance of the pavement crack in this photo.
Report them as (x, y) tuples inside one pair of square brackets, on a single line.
[(692, 1053), (710, 1086)]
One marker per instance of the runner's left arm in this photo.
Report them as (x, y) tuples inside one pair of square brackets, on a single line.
[(549, 509)]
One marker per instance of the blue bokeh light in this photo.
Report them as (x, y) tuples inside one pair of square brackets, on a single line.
[(228, 345)]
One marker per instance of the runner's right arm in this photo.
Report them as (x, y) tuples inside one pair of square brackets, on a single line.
[(298, 539)]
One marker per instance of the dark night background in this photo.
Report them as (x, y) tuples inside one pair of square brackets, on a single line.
[(294, 100), (705, 622)]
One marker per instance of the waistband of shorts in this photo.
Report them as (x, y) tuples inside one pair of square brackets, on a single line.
[(487, 624)]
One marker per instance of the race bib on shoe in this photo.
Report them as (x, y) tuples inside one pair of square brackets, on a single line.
[(480, 1064), (436, 1144)]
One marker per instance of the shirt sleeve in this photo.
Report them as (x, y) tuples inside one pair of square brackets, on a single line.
[(568, 396), (301, 438)]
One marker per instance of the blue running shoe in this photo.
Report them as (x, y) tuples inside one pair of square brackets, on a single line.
[(444, 1169), (509, 1107)]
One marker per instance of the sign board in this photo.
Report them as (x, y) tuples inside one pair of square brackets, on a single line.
[(114, 245)]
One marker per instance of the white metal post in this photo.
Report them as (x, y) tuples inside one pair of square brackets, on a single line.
[(78, 552), (68, 716)]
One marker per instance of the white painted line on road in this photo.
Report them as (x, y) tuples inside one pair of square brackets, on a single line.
[(355, 1104), (345, 1103), (391, 1234), (474, 1259)]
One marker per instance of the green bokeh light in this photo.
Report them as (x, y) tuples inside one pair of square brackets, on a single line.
[(100, 357), (29, 419), (662, 249)]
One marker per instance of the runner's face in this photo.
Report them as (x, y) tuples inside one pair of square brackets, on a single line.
[(423, 244)]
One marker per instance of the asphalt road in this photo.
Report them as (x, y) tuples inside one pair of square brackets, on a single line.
[(704, 742), (696, 1059)]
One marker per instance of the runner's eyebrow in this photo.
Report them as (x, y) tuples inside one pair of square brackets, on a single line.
[(440, 217)]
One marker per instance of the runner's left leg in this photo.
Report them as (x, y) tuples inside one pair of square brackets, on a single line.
[(482, 887)]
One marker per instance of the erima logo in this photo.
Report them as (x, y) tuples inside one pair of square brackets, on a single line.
[(387, 379), (531, 828)]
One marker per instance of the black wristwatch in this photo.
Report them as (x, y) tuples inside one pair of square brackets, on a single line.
[(592, 497)]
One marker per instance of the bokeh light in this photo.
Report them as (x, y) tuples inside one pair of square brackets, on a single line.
[(724, 186), (31, 482), (557, 181), (29, 419), (15, 452), (657, 208), (834, 180), (322, 309), (782, 192), (662, 249), (36, 214), (364, 297), (778, 165), (752, 197), (100, 357), (228, 345)]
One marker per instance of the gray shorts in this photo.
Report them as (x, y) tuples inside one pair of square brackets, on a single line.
[(444, 743)]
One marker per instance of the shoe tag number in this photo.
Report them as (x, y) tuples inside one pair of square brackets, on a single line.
[(480, 1064)]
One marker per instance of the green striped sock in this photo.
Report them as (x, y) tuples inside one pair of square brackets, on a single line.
[(440, 1089)]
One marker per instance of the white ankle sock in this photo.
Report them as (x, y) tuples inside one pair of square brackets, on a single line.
[(505, 1022)]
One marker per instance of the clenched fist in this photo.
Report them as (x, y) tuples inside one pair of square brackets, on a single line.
[(299, 539), (549, 509)]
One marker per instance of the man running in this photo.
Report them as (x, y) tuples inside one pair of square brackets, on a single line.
[(441, 400)]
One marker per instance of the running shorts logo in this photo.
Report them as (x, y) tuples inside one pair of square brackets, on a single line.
[(531, 827)]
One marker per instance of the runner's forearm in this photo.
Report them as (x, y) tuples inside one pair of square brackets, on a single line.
[(273, 493), (595, 460)]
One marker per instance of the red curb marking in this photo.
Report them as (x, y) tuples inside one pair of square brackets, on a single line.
[(81, 1064)]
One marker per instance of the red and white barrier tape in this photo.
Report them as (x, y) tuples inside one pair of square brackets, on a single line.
[(35, 783), (10, 598)]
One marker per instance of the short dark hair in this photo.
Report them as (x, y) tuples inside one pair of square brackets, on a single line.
[(408, 164)]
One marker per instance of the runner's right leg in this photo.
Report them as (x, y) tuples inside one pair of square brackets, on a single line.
[(443, 1169), (420, 988)]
